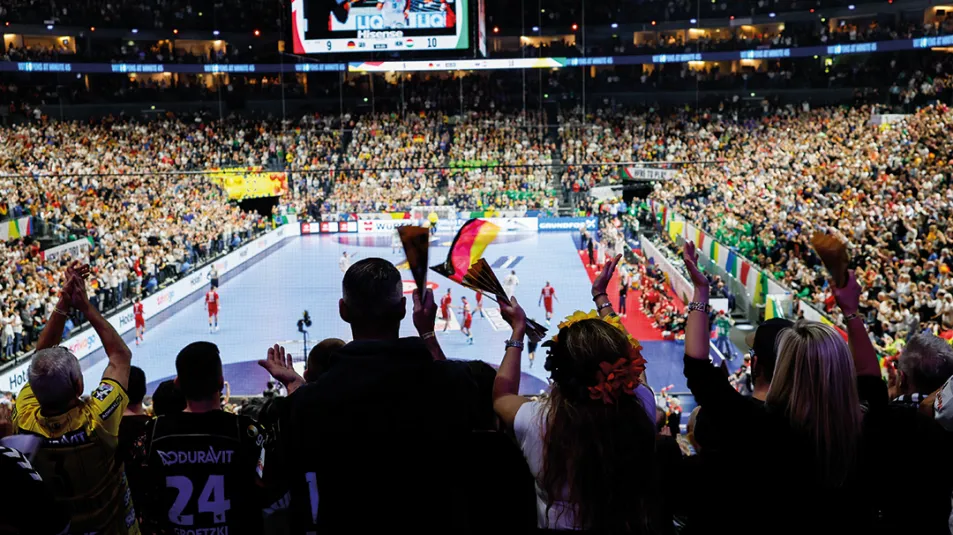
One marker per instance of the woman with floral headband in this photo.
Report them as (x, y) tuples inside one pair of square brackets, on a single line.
[(591, 444)]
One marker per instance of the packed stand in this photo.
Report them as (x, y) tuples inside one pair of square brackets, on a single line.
[(502, 161), (116, 184), (882, 190)]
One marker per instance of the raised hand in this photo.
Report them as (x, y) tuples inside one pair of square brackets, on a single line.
[(425, 312), (602, 281), (514, 315), (848, 297), (690, 256), (281, 367)]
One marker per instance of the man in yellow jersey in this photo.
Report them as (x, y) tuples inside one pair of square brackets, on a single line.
[(78, 457), (433, 218)]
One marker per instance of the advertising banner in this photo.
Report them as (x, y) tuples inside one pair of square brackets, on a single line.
[(87, 341), (506, 224), (557, 224)]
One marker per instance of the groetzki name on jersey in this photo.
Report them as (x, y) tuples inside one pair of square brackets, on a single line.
[(196, 457), (218, 530), (413, 21)]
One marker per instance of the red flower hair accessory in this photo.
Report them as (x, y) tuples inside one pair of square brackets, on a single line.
[(619, 377)]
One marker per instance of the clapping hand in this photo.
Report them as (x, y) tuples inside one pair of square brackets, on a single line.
[(74, 287)]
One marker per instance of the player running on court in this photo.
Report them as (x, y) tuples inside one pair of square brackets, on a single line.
[(467, 321), (211, 304), (479, 303), (445, 309), (546, 298), (140, 317)]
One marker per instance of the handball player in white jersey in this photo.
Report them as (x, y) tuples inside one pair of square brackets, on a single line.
[(395, 12)]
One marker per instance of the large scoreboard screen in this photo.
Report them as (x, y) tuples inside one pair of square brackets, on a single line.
[(333, 26)]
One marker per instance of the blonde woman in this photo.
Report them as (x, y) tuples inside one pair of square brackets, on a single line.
[(806, 439)]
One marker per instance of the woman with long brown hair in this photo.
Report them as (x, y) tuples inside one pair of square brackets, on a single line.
[(591, 444)]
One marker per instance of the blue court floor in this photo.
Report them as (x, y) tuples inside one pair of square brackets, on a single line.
[(261, 306)]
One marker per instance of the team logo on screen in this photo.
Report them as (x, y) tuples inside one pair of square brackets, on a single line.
[(351, 44), (410, 43)]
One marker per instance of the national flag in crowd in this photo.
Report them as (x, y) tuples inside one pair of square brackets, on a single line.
[(468, 247), (731, 265)]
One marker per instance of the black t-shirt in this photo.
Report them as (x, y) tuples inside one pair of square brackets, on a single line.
[(130, 428), (27, 506), (377, 441), (201, 471), (755, 436)]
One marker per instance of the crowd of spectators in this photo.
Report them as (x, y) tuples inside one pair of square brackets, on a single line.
[(883, 190), (510, 160), (598, 452), (123, 186)]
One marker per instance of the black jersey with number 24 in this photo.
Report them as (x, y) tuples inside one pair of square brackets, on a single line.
[(205, 472)]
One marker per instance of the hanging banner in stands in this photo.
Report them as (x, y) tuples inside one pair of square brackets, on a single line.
[(250, 182), (85, 342), (646, 173), (76, 250), (16, 228)]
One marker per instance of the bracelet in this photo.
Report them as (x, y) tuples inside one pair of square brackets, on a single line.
[(597, 296), (518, 344), (428, 336), (696, 305), (60, 312), (607, 304), (852, 317)]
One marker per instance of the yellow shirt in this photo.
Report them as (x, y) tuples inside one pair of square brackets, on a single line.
[(78, 458)]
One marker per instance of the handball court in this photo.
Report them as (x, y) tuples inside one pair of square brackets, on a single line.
[(262, 305)]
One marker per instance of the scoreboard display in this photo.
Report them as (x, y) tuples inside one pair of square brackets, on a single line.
[(335, 26)]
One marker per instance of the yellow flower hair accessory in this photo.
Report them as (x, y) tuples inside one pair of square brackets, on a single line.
[(613, 379), (615, 321)]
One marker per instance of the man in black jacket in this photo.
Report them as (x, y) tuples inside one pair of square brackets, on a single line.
[(911, 450), (377, 438)]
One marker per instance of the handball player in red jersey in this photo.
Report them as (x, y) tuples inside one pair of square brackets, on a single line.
[(467, 321), (445, 309), (211, 303), (479, 303), (546, 298), (140, 317)]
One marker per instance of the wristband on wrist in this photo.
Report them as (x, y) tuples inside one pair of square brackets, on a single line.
[(518, 344), (428, 335), (696, 305), (852, 316), (597, 296), (56, 310), (607, 304)]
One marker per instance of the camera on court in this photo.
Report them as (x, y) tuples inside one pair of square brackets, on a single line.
[(304, 322)]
